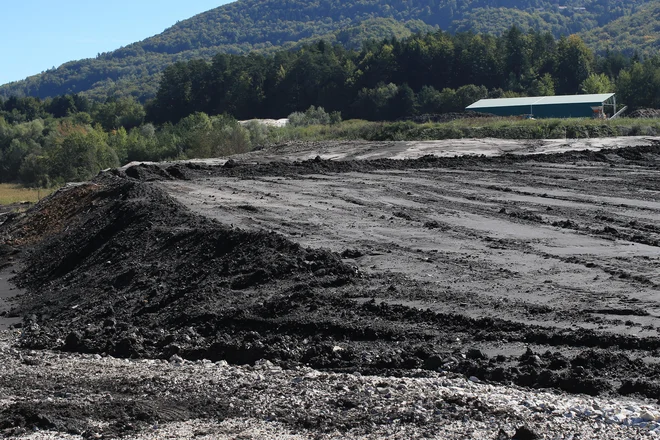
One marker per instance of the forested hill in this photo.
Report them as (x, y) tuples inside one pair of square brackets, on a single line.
[(638, 31), (267, 25)]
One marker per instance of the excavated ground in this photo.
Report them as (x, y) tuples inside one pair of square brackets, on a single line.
[(539, 271)]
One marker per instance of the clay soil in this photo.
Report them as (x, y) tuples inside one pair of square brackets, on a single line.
[(535, 270)]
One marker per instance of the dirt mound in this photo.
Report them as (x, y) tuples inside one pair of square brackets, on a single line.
[(645, 113), (50, 216), (132, 272), (152, 172)]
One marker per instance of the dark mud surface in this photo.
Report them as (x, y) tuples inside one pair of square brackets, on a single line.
[(9, 317), (8, 291), (639, 155), (540, 271)]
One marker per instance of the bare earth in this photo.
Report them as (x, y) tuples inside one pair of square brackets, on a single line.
[(561, 252), (568, 239)]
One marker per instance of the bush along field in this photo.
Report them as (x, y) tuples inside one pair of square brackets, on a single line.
[(495, 127), (48, 152)]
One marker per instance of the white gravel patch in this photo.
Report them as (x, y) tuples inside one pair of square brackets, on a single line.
[(271, 401), (267, 122)]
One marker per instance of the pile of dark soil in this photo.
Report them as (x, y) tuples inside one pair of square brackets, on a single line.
[(122, 415), (645, 113), (51, 216), (133, 273)]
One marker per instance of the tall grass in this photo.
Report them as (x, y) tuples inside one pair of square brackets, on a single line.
[(503, 128), (11, 193)]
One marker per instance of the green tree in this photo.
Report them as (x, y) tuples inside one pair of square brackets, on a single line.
[(543, 86), (118, 141), (62, 106), (469, 94), (80, 155), (596, 83), (374, 103), (13, 156), (429, 100), (172, 102), (312, 116), (119, 112), (517, 61), (574, 64), (639, 86), (34, 171), (194, 134), (450, 102), (404, 103)]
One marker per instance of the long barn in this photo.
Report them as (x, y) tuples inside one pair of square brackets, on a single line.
[(564, 106)]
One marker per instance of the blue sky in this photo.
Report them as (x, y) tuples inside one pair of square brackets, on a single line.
[(36, 35)]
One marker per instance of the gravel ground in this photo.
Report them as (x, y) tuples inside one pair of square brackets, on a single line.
[(269, 402)]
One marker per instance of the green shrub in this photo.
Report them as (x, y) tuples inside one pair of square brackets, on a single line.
[(314, 116), (258, 133)]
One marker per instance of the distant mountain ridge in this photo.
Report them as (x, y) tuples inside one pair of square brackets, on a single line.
[(268, 25)]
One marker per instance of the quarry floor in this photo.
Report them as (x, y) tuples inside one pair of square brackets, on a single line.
[(511, 291)]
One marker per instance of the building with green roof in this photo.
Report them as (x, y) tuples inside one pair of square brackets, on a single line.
[(565, 106)]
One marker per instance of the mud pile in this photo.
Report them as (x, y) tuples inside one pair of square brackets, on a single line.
[(645, 113), (118, 267)]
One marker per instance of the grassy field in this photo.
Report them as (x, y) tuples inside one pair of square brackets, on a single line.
[(11, 193), (503, 128)]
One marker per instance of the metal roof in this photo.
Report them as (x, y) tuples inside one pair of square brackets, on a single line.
[(540, 100)]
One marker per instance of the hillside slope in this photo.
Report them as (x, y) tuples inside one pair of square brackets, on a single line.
[(266, 25), (637, 32), (135, 69)]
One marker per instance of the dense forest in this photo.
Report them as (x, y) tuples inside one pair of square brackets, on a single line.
[(267, 26), (69, 138), (637, 32), (195, 111), (428, 73)]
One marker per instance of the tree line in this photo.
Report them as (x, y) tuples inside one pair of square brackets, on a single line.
[(69, 138), (390, 79), (198, 103)]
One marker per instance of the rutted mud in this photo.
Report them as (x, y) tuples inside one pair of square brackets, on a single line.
[(541, 271)]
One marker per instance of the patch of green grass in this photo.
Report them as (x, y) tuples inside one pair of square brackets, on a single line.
[(498, 127), (11, 193)]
